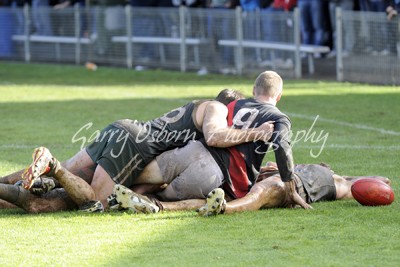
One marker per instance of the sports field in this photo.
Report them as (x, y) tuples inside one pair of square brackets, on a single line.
[(62, 106)]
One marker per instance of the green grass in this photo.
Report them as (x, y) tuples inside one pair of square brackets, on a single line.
[(48, 104)]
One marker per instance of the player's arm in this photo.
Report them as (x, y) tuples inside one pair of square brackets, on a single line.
[(284, 160), (217, 132)]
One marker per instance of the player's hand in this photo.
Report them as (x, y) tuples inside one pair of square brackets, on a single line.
[(294, 196), (390, 13), (264, 131)]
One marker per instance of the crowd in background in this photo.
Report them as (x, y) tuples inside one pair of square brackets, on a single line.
[(318, 25)]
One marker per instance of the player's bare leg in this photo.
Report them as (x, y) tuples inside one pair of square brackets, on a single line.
[(269, 193), (190, 204), (77, 188), (80, 164), (343, 184), (6, 205), (151, 174), (55, 200), (11, 178), (355, 178), (45, 164), (144, 189), (102, 185)]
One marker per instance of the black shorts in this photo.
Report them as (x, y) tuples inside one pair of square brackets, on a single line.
[(119, 156), (315, 183)]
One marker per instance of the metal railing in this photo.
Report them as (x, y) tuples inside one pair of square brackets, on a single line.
[(367, 45)]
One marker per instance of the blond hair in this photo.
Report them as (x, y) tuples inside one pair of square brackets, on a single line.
[(268, 83)]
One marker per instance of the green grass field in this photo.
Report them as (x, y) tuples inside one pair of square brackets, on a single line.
[(48, 104)]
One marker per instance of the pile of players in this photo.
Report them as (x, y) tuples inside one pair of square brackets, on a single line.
[(206, 155)]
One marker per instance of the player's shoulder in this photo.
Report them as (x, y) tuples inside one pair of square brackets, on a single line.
[(284, 118), (283, 115), (212, 103)]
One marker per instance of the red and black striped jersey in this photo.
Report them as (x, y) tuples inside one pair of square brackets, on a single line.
[(241, 164)]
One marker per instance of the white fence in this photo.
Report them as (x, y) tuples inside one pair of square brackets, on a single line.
[(372, 53), (216, 40)]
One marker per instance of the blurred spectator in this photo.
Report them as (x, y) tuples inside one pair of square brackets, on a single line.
[(374, 34), (251, 27), (396, 5), (6, 29), (19, 21), (250, 5), (379, 30), (347, 30), (364, 33), (64, 21), (312, 21), (275, 29), (222, 26), (190, 3), (168, 20), (143, 25), (249, 19), (164, 3), (101, 16), (392, 11), (41, 17)]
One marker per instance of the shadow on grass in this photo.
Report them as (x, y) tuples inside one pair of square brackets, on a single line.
[(18, 213)]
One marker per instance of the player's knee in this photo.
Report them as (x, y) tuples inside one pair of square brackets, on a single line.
[(168, 194)]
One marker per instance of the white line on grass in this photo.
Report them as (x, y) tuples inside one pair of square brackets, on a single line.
[(354, 147), (343, 123), (24, 146)]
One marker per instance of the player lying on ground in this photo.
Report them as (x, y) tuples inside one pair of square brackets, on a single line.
[(314, 183), (125, 147)]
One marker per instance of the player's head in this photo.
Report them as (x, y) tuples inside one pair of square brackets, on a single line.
[(268, 84), (226, 96)]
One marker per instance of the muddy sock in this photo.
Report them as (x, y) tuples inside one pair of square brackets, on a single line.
[(14, 194)]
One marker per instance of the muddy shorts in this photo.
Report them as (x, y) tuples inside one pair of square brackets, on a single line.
[(315, 183), (191, 171), (118, 155)]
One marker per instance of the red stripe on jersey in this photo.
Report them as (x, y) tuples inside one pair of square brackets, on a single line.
[(237, 165), (231, 109), (238, 173)]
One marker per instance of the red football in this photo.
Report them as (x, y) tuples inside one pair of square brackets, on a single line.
[(372, 192)]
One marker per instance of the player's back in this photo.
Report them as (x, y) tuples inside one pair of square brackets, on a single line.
[(241, 164), (174, 129)]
